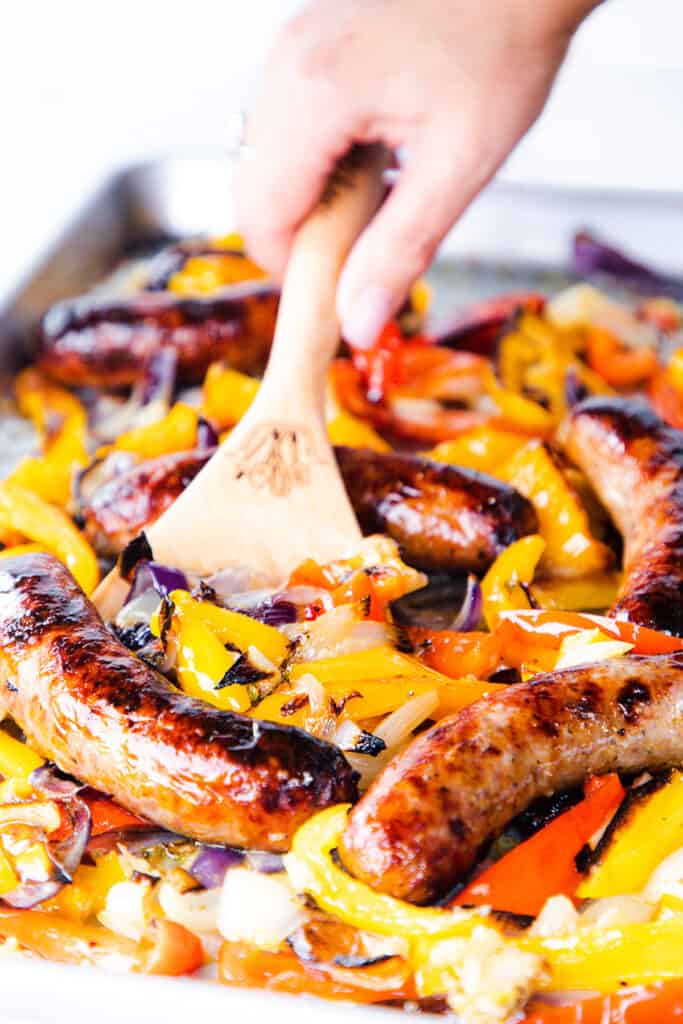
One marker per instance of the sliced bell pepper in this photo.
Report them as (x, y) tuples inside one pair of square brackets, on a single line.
[(106, 815), (346, 429), (429, 427), (250, 967), (230, 627), (176, 432), (503, 585), (659, 1003), (32, 517), (483, 449), (227, 394), (544, 865), (8, 879), (666, 399), (381, 365), (586, 593), (652, 829), (619, 365), (666, 314), (203, 661), (311, 869), (87, 894), (563, 522), (536, 634), (456, 654), (17, 762), (171, 949), (674, 370), (519, 413), (203, 275), (607, 959)]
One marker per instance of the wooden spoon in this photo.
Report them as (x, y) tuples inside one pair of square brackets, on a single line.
[(272, 495)]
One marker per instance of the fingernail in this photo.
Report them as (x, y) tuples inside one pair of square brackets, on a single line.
[(364, 314)]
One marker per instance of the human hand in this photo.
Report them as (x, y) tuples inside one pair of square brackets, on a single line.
[(455, 82)]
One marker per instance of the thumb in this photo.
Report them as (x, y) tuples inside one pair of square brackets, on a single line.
[(399, 243)]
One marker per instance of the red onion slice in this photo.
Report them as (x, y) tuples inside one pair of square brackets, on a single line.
[(212, 864), (469, 616), (592, 256)]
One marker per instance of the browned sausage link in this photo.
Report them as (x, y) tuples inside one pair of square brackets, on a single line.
[(635, 464), (444, 517), (422, 824), (103, 715), (122, 507), (106, 343)]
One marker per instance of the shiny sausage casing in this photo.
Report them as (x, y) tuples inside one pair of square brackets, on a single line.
[(423, 823), (444, 517), (107, 343), (84, 701), (635, 464)]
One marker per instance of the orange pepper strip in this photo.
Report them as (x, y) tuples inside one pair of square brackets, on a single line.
[(544, 866), (661, 1003), (456, 654), (172, 949), (249, 967), (618, 365), (666, 400), (519, 632)]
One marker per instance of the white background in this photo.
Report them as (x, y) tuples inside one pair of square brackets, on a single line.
[(86, 86)]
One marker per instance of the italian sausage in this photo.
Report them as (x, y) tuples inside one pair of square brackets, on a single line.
[(634, 462), (443, 517), (106, 343), (88, 704), (422, 824)]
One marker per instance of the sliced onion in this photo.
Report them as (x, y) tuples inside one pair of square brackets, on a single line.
[(264, 862), (342, 630), (238, 583), (590, 256), (133, 839), (207, 437), (153, 576), (197, 910), (399, 725), (432, 606), (574, 388), (50, 780), (65, 858), (469, 616), (212, 863), (158, 381)]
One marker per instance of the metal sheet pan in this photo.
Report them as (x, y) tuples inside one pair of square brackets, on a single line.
[(511, 237)]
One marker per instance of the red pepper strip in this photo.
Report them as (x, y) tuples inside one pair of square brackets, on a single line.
[(428, 429), (107, 815), (666, 400), (618, 365), (519, 631), (543, 866), (659, 1004), (456, 654), (382, 365), (249, 967)]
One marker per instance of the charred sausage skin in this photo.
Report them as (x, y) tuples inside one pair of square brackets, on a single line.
[(424, 821), (635, 464), (107, 343), (88, 704), (444, 518)]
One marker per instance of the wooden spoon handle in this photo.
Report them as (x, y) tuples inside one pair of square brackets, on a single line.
[(307, 332)]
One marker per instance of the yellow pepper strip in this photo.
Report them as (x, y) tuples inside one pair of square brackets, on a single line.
[(17, 761), (421, 297), (202, 662), (519, 412), (652, 830), (87, 894), (584, 594), (41, 400), (176, 432), (379, 663), (8, 879), (674, 370), (230, 627), (588, 646), (311, 869), (563, 521), (227, 395), (347, 429), (202, 275), (606, 959), (21, 549), (483, 449), (500, 586), (35, 519)]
